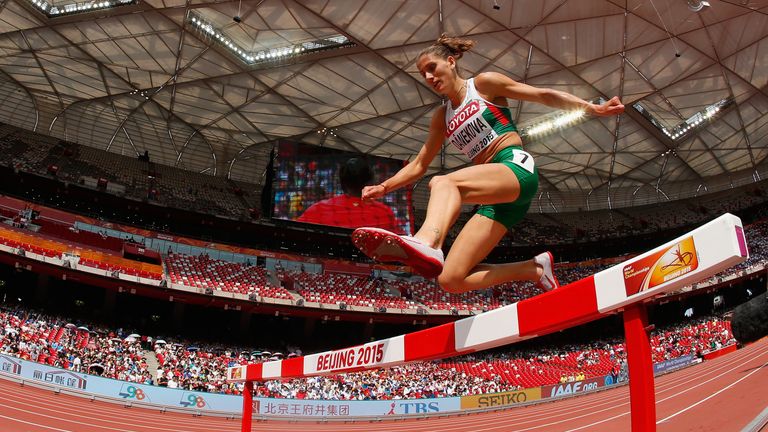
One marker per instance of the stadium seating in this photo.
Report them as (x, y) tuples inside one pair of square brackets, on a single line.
[(87, 239), (88, 258), (126, 175), (335, 288), (31, 243), (203, 272)]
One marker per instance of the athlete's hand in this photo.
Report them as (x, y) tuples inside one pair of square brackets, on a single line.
[(373, 192), (610, 108)]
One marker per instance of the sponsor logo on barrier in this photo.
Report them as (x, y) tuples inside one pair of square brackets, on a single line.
[(128, 391), (10, 365), (235, 373), (570, 388), (62, 378), (391, 409), (192, 400), (661, 267), (674, 363), (305, 410), (362, 356), (500, 399), (414, 408)]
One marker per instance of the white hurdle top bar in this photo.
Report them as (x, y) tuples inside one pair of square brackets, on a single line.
[(693, 257)]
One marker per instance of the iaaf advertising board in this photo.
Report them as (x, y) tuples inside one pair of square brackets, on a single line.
[(203, 401)]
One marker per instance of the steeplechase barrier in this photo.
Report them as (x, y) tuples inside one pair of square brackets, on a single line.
[(625, 287)]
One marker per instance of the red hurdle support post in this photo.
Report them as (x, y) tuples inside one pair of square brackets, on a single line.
[(642, 396), (245, 426)]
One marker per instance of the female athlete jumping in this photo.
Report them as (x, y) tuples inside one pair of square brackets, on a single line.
[(476, 119)]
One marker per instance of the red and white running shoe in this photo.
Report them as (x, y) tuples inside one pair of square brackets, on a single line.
[(548, 281), (385, 246)]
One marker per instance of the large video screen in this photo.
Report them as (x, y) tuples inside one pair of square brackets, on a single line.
[(322, 186)]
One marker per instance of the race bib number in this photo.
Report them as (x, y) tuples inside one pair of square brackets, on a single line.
[(469, 131), (523, 159)]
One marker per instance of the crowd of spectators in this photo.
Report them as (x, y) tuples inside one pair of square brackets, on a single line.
[(186, 365), (54, 341), (691, 338), (477, 373), (412, 381)]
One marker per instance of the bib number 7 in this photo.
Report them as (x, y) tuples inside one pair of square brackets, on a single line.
[(523, 160)]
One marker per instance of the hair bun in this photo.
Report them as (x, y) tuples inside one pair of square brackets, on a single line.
[(446, 46), (456, 46)]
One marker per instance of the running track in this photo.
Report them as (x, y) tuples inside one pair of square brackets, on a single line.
[(721, 395)]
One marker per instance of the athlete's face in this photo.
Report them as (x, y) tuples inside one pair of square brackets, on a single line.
[(439, 73)]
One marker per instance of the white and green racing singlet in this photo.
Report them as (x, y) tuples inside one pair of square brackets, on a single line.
[(474, 124)]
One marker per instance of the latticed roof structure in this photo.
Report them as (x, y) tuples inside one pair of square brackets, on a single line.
[(209, 86)]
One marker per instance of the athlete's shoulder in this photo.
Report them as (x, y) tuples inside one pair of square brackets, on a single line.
[(438, 118), (487, 77), (490, 80)]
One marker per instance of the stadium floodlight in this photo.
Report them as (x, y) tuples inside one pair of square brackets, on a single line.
[(557, 121), (695, 122), (281, 53), (72, 8), (561, 121)]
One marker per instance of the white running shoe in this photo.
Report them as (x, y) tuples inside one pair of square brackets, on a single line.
[(548, 281), (385, 246)]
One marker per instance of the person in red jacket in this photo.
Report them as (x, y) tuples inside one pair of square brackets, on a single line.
[(348, 210)]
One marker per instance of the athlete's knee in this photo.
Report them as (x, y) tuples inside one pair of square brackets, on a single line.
[(440, 180), (452, 282)]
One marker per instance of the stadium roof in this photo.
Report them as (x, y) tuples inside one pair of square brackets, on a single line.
[(199, 90)]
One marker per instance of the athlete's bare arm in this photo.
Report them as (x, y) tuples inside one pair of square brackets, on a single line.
[(494, 85), (418, 166)]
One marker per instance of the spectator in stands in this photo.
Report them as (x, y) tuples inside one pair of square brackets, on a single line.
[(348, 210), (195, 367)]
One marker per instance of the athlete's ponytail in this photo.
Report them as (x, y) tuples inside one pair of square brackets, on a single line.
[(448, 46)]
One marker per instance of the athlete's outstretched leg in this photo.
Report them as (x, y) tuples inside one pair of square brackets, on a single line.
[(422, 251), (480, 184), (463, 272), (442, 211)]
